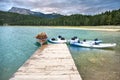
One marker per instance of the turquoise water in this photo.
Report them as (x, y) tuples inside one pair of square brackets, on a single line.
[(17, 44)]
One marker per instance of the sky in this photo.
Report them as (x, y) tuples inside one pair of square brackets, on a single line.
[(64, 7)]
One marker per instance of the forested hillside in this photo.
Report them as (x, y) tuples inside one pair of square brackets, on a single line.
[(107, 18), (18, 19)]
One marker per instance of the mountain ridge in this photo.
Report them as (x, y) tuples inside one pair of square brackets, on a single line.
[(29, 12)]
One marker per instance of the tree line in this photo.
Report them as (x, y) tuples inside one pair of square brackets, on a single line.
[(107, 18)]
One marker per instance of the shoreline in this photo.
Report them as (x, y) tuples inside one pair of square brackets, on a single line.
[(95, 28)]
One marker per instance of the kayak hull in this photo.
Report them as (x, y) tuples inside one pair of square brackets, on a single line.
[(100, 45), (57, 41)]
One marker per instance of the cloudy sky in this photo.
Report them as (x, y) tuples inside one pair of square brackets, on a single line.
[(65, 7)]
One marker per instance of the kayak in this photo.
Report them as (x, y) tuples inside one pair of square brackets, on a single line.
[(85, 41), (92, 45), (57, 40)]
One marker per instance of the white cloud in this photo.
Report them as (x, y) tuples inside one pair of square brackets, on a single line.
[(63, 6)]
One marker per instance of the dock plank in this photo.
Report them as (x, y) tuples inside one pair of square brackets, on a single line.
[(50, 62)]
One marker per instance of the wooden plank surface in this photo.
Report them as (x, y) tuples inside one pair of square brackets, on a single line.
[(50, 62)]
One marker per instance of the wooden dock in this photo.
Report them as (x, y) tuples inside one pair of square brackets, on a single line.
[(50, 62)]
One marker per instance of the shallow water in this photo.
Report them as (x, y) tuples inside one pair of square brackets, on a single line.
[(17, 44)]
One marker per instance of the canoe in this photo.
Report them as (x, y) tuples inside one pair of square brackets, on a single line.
[(42, 38), (41, 41), (91, 45)]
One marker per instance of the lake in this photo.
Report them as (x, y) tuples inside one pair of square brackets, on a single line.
[(18, 43)]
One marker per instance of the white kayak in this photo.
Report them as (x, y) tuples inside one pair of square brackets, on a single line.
[(57, 41), (91, 45), (86, 41)]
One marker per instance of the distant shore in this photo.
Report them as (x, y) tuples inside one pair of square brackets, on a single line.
[(96, 28)]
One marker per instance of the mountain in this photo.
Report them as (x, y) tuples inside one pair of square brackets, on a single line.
[(29, 12), (21, 11)]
